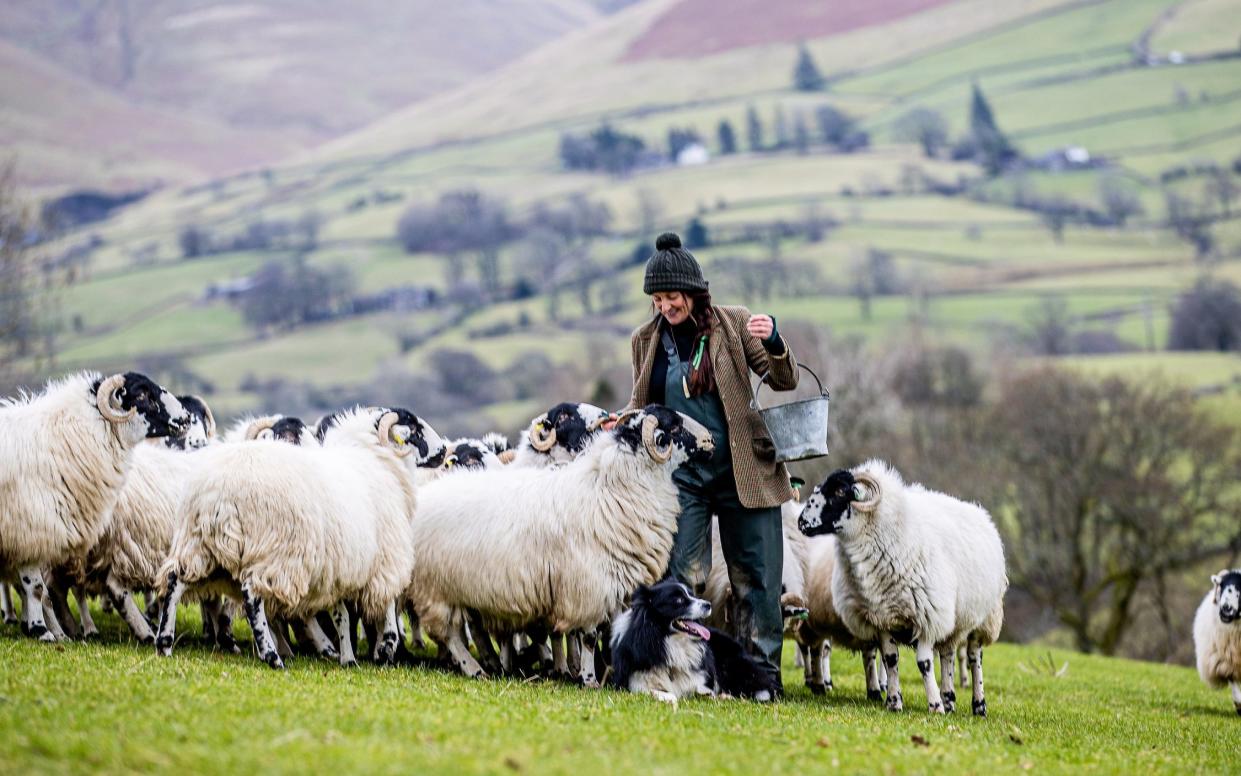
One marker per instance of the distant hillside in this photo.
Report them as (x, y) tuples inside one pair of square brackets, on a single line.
[(66, 132), (309, 70)]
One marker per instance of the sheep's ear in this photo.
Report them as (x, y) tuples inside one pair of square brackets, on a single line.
[(1216, 581)]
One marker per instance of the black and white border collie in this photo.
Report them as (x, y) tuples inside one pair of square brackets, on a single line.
[(660, 648)]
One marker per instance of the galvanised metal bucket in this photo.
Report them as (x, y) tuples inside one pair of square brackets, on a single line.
[(798, 429)]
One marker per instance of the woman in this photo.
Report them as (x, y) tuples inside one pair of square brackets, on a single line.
[(696, 357)]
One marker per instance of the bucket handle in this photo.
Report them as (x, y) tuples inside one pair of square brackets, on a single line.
[(754, 405)]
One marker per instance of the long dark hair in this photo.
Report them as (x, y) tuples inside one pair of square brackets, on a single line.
[(702, 379)]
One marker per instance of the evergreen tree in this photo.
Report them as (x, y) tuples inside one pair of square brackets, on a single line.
[(696, 234), (806, 75), (994, 150), (753, 129), (727, 138)]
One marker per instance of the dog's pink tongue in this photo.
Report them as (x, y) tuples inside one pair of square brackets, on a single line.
[(698, 630)]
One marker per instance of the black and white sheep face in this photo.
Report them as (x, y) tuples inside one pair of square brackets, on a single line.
[(290, 430), (1228, 595), (201, 428), (429, 449), (670, 606), (827, 508), (575, 424), (153, 406), (470, 454), (674, 437)]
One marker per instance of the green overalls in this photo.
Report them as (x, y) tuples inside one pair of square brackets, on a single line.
[(751, 539)]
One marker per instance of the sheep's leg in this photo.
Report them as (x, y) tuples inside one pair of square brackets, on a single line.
[(6, 604), (89, 629), (416, 637), (152, 605), (224, 628), (487, 656), (33, 592), (461, 656), (587, 641), (573, 653), (56, 610), (826, 670), (891, 661), (263, 640), (560, 666), (507, 655), (947, 687), (166, 632), (870, 667), (925, 656), (1236, 695), (322, 644), (342, 618), (279, 629), (385, 651), (963, 671), (209, 607), (799, 657), (973, 652), (123, 602)]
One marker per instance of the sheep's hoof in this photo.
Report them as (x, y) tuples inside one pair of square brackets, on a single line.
[(950, 702), (895, 702), (980, 707), (90, 635), (935, 708), (590, 683), (47, 637), (10, 619), (816, 689), (330, 654), (874, 695), (272, 659), (147, 641)]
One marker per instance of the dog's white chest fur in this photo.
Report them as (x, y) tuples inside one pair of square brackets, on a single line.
[(681, 675)]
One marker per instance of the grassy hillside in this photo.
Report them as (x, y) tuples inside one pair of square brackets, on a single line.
[(973, 266), (215, 713), (149, 91)]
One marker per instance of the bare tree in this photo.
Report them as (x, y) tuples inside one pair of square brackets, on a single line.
[(1049, 330), (27, 287), (1191, 223), (1223, 189), (925, 127), (1105, 486), (1119, 201)]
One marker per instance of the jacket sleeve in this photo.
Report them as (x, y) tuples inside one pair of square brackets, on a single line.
[(637, 369), (783, 368)]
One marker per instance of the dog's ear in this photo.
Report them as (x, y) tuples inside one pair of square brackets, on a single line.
[(641, 595)]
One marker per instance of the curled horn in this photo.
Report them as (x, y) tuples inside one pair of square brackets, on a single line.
[(541, 437), (626, 415), (659, 454), (210, 424), (259, 426), (103, 399), (871, 484), (384, 430)]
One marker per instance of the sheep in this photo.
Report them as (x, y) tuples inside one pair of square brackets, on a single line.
[(64, 455), (201, 431), (559, 435), (558, 545), (1217, 634), (304, 528), (916, 564)]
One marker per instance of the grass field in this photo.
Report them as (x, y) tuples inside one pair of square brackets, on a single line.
[(112, 708)]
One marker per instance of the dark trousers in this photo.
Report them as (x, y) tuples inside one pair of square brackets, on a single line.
[(752, 542)]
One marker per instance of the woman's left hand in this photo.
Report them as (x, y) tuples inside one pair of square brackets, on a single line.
[(760, 326)]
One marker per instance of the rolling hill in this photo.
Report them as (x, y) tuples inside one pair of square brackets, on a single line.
[(974, 258)]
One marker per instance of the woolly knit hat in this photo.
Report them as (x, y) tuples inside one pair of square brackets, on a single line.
[(672, 268)]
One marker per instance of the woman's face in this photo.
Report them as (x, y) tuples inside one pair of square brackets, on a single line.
[(673, 305)]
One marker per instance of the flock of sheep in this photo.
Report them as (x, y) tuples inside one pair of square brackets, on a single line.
[(114, 486)]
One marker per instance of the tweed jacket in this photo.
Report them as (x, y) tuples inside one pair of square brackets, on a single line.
[(761, 482)]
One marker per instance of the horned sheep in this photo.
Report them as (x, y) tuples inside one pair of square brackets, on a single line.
[(64, 454), (912, 564), (301, 529), (559, 545)]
